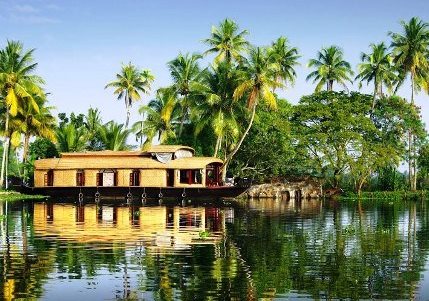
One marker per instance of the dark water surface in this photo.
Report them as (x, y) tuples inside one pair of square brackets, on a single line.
[(219, 251)]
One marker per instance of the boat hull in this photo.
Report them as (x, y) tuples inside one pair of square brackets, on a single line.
[(104, 192)]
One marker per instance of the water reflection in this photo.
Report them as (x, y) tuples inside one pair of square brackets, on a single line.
[(248, 250), (157, 228)]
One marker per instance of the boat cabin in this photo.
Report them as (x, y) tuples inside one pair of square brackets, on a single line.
[(159, 166)]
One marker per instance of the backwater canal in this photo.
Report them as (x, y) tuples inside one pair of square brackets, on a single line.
[(246, 250)]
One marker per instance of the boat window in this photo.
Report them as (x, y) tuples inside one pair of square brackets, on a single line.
[(107, 178), (191, 176), (135, 178), (80, 178)]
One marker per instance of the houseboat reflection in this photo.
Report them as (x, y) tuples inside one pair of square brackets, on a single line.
[(156, 227)]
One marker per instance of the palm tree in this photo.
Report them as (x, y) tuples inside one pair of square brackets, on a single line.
[(286, 58), (36, 123), (114, 136), (257, 79), (410, 51), (18, 84), (161, 116), (187, 77), (92, 124), (410, 54), (71, 139), (377, 67), (217, 109), (227, 42), (330, 67), (129, 83)]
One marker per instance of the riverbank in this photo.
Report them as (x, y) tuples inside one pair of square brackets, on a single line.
[(11, 196), (387, 195)]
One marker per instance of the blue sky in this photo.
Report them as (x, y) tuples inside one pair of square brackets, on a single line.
[(80, 45)]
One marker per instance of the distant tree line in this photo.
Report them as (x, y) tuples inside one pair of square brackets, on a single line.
[(230, 109)]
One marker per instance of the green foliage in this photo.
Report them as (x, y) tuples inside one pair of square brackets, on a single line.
[(43, 148), (341, 134), (330, 68), (267, 152), (129, 84)]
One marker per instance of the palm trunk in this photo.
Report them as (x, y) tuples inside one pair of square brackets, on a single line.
[(218, 141), (5, 147), (330, 85), (374, 96), (411, 160), (182, 121), (231, 155), (127, 106), (26, 145)]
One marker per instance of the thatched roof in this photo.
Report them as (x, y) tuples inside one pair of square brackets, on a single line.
[(118, 162), (152, 149)]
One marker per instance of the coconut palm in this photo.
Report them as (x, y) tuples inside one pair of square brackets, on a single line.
[(187, 77), (410, 52), (114, 136), (217, 109), (330, 67), (286, 58), (129, 85), (227, 42), (257, 79), (92, 125), (377, 66), (36, 123), (71, 139), (161, 116), (18, 84)]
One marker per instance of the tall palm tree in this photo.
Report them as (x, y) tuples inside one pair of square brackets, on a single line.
[(257, 79), (18, 84), (161, 114), (330, 67), (377, 66), (217, 108), (410, 52), (129, 84), (286, 58), (114, 136), (187, 77), (227, 42)]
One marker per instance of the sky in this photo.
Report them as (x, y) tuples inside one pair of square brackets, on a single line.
[(80, 45)]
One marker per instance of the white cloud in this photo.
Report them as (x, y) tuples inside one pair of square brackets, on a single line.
[(28, 13), (33, 19), (25, 9)]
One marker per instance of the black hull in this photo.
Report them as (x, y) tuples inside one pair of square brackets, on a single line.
[(135, 192)]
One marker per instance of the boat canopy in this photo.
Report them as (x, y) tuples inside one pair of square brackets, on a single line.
[(118, 162)]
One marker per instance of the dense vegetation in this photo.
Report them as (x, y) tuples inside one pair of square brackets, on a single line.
[(230, 109)]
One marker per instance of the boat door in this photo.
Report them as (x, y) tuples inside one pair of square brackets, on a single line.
[(170, 177)]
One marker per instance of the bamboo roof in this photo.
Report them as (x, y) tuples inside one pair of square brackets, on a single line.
[(118, 162)]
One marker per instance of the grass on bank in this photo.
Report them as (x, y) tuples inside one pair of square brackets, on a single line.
[(10, 196), (387, 195)]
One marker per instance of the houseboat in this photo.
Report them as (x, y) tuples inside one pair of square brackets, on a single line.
[(162, 171)]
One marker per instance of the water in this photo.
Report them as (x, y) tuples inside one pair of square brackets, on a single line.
[(215, 251)]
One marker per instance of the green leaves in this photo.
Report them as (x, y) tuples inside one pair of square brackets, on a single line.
[(341, 136), (129, 83), (330, 67)]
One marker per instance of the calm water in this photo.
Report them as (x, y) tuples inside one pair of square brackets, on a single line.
[(241, 251)]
